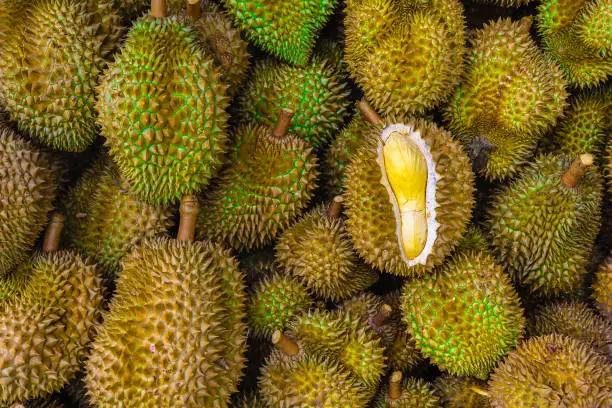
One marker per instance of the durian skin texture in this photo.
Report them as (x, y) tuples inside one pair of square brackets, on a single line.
[(286, 29), (51, 56), (506, 3), (465, 316), (162, 111), (371, 221), (602, 288), (511, 94), (415, 393), (47, 323), (268, 183), (318, 251), (27, 189), (174, 334), (457, 392), (542, 231), (552, 371)]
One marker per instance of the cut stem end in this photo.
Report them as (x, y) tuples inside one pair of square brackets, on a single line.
[(53, 233), (576, 171), (194, 11), (283, 124), (336, 207), (395, 385), (189, 210), (159, 9), (285, 344), (381, 317)]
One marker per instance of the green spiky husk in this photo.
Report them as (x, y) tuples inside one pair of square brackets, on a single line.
[(602, 288), (458, 392), (415, 393)]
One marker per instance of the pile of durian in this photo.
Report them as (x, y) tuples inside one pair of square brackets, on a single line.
[(305, 203)]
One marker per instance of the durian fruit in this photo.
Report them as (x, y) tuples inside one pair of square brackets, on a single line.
[(316, 92), (27, 191), (506, 3), (407, 56), (409, 393), (52, 53), (602, 288), (49, 402), (115, 221), (162, 109), (577, 34), (174, 334), (402, 353), (276, 300), (573, 319), (608, 167), (407, 225), (269, 181), (318, 251), (542, 225), (250, 401), (511, 95), (372, 310), (48, 316), (552, 371), (465, 316), (461, 392), (284, 28)]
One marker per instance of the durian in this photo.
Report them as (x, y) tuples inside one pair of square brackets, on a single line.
[(409, 393), (269, 181), (602, 288), (372, 310), (316, 92), (27, 191), (284, 28), (318, 251), (407, 56), (162, 110), (506, 3), (542, 225), (174, 334), (51, 56), (465, 316), (407, 225), (552, 371), (511, 95), (461, 392)]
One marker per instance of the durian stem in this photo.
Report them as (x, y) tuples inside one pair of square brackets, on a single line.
[(395, 385), (287, 345), (336, 207), (194, 11), (53, 233), (381, 317), (284, 123), (189, 210), (480, 391), (525, 23), (159, 9), (369, 113), (576, 171)]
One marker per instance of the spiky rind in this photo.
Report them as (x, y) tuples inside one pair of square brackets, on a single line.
[(162, 111), (366, 306), (415, 393), (371, 221), (543, 232), (466, 316), (458, 392), (506, 3), (602, 288), (549, 370)]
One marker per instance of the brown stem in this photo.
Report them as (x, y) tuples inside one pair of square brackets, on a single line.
[(286, 344), (576, 171), (194, 11), (284, 123), (159, 9), (395, 385), (336, 207), (525, 23), (53, 233), (479, 390), (369, 113), (381, 317), (189, 210)]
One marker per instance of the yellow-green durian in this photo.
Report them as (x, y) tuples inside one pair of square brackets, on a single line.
[(375, 312), (511, 95), (506, 3), (409, 393), (27, 191), (407, 56), (552, 371), (402, 353), (51, 56), (461, 392), (602, 288), (268, 182), (318, 251)]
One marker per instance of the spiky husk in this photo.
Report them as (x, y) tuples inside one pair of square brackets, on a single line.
[(162, 111), (415, 393), (608, 167), (27, 191), (49, 402), (474, 239), (267, 185), (316, 93), (46, 324), (285, 29), (277, 299), (506, 3), (458, 392), (543, 232), (371, 221), (552, 370), (407, 58), (602, 288), (250, 401), (318, 251), (510, 96), (51, 56), (178, 309), (466, 316), (366, 306)]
